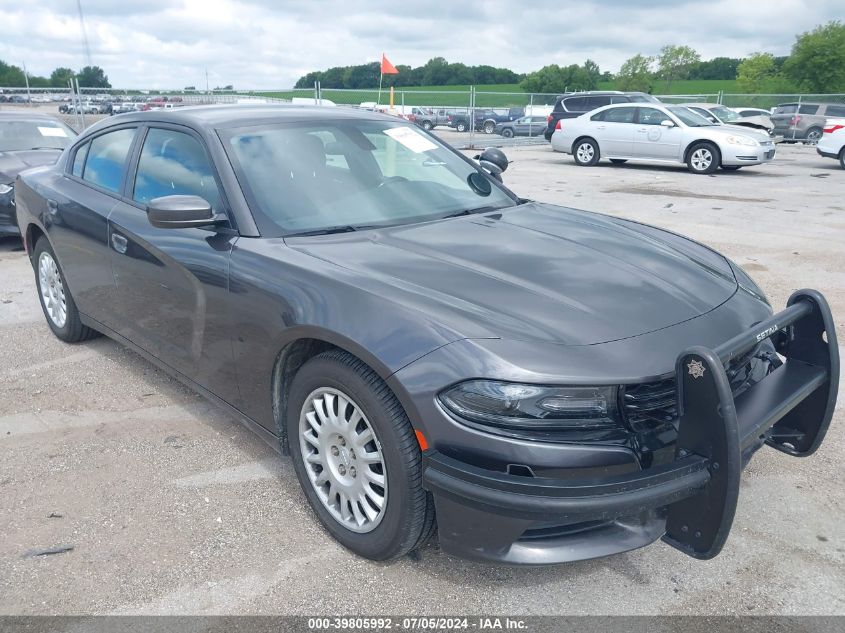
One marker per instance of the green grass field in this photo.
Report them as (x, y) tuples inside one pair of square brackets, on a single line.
[(457, 96)]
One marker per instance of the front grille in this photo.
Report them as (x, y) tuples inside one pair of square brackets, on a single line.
[(652, 405)]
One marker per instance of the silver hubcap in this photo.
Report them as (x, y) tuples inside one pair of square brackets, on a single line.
[(586, 152), (52, 290), (343, 459), (814, 136), (701, 159)]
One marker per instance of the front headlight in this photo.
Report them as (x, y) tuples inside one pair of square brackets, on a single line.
[(6, 189), (742, 140), (532, 407), (747, 284)]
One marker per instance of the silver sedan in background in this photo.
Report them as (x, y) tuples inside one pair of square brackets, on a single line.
[(653, 132)]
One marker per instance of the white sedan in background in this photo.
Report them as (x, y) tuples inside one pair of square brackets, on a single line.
[(832, 142), (653, 132)]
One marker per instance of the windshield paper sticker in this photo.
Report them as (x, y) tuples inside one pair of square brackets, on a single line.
[(52, 131), (411, 139)]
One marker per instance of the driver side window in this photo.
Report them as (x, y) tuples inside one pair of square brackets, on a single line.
[(174, 163)]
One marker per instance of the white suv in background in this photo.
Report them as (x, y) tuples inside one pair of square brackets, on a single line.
[(832, 142)]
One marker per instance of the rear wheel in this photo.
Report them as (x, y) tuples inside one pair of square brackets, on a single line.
[(461, 127), (56, 300), (814, 135), (703, 158), (842, 158), (489, 127), (357, 458), (586, 152), (507, 132), (618, 161)]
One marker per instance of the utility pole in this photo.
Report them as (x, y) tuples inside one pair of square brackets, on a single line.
[(26, 79), (207, 91)]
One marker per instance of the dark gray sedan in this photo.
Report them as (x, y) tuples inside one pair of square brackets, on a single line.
[(26, 140), (539, 383)]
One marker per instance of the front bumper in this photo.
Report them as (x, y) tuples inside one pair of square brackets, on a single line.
[(691, 500), (741, 155)]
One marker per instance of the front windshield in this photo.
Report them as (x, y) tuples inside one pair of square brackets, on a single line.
[(688, 117), (24, 134), (320, 176), (725, 114)]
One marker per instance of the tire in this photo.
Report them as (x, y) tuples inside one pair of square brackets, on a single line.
[(731, 167), (489, 127), (427, 126), (586, 152), (842, 158), (406, 519), (618, 161), (461, 127), (703, 158), (56, 301), (507, 132), (814, 135)]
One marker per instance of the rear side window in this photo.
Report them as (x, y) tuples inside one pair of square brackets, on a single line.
[(107, 158), (835, 110), (620, 115), (599, 116), (575, 104), (591, 103), (174, 163), (787, 108), (808, 109), (79, 160)]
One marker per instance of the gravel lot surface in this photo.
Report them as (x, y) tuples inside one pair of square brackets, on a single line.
[(172, 507)]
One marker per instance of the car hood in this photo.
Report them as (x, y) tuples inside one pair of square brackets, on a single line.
[(755, 122), (14, 162), (535, 272)]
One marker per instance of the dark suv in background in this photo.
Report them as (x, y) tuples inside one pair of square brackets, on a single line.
[(574, 104), (804, 121)]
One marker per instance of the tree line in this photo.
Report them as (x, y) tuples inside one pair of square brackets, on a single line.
[(435, 72), (88, 77)]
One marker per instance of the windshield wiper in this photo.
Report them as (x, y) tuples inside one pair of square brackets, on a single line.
[(471, 211), (346, 228), (45, 147)]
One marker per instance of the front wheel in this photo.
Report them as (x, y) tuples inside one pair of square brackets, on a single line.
[(507, 132), (703, 158), (357, 458), (427, 126), (461, 127), (56, 301), (586, 152), (489, 127)]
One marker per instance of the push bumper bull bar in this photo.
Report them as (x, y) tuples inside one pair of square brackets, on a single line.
[(483, 512)]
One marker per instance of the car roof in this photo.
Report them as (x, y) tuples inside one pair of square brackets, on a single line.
[(704, 105), (241, 115)]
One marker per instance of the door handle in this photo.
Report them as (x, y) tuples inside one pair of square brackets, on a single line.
[(52, 206), (119, 243), (599, 127)]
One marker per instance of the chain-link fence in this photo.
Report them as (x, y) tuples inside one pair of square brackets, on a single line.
[(465, 116)]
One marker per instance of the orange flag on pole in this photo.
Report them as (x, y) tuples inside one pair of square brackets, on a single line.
[(386, 67)]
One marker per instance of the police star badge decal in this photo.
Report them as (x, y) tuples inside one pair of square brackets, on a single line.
[(696, 369)]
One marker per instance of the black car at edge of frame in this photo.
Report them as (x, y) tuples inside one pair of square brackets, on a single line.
[(539, 384)]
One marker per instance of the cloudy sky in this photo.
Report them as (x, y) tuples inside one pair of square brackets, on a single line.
[(270, 43)]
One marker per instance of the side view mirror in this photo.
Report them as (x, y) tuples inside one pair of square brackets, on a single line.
[(182, 212), (667, 123), (494, 161)]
